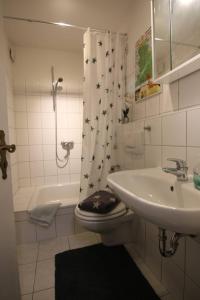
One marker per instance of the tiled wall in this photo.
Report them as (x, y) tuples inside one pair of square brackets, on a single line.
[(174, 117), (35, 118), (35, 132)]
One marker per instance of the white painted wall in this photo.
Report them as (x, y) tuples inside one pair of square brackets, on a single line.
[(35, 126), (9, 285), (174, 117)]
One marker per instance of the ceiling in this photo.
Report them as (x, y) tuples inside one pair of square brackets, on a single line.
[(101, 14)]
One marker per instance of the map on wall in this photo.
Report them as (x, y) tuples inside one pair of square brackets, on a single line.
[(144, 87)]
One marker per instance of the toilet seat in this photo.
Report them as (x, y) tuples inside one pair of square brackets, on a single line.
[(118, 211)]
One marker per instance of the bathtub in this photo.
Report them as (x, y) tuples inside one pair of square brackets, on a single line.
[(64, 223), (68, 194)]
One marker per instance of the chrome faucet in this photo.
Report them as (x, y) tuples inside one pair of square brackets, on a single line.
[(180, 171)]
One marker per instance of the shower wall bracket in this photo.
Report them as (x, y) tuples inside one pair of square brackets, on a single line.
[(3, 150)]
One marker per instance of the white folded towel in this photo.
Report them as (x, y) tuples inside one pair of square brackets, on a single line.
[(43, 214)]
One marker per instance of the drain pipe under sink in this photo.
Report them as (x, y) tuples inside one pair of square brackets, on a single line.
[(174, 242)]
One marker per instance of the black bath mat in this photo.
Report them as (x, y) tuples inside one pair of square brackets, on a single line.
[(100, 273)]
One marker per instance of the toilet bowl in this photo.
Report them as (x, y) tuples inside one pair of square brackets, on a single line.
[(115, 227)]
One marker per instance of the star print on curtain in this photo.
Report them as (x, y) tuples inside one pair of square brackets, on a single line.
[(103, 99)]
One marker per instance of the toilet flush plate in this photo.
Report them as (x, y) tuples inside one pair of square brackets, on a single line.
[(159, 198)]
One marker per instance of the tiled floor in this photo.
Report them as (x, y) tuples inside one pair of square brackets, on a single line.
[(36, 265)]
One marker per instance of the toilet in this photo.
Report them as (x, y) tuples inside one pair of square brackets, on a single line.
[(114, 227)]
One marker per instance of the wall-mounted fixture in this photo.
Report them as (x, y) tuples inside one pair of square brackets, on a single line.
[(66, 145), (175, 39), (147, 128), (3, 149), (12, 54)]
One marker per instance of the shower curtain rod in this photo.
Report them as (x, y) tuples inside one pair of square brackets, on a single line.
[(61, 24)]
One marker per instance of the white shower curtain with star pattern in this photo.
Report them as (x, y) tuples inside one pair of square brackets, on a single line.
[(103, 99)]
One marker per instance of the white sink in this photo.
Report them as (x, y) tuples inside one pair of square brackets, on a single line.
[(159, 198)]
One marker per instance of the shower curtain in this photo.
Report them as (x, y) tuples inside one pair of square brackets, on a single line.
[(103, 100)]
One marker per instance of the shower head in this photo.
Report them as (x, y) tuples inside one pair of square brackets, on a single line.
[(60, 79)]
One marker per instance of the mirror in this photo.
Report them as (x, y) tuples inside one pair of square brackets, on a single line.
[(176, 33)]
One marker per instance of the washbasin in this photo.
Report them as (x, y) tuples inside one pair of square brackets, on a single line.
[(159, 198)]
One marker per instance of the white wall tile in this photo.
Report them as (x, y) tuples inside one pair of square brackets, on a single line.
[(48, 136), (37, 168), (51, 180), (22, 136), (24, 169), (192, 260), (169, 97), (49, 152), (36, 152), (75, 135), (35, 136), (74, 177), (152, 106), (33, 104), (193, 157), (46, 104), (173, 278), (61, 104), (139, 110), (74, 120), (63, 120), (174, 129), (73, 106), (192, 291), (75, 165), (22, 153), (172, 152), (50, 168), (34, 120), (48, 120), (20, 120), (152, 156), (76, 151), (20, 103), (153, 137), (193, 124), (24, 182), (189, 90), (64, 171), (64, 178), (153, 259), (140, 230), (36, 181)]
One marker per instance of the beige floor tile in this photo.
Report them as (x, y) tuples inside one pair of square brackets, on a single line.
[(26, 277), (48, 249), (27, 253), (44, 295), (45, 275), (82, 240), (27, 297)]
